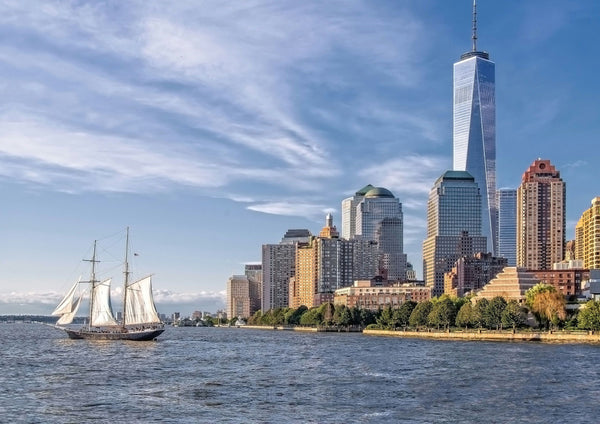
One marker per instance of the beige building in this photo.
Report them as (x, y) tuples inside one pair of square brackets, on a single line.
[(512, 284), (322, 265), (364, 294), (587, 236), (540, 217), (238, 297)]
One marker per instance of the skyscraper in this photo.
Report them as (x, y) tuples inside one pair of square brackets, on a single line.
[(238, 297), (453, 226), (379, 217), (587, 236), (278, 265), (349, 212), (474, 133), (507, 225), (540, 217)]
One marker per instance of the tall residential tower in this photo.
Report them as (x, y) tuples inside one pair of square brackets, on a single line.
[(474, 133), (540, 217)]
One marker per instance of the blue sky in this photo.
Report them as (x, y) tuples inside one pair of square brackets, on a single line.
[(211, 128)]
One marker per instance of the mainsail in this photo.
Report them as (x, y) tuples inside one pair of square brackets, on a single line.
[(67, 318), (140, 307), (101, 308), (66, 305)]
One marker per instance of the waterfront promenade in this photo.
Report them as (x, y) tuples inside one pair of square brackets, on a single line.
[(475, 335), (506, 335)]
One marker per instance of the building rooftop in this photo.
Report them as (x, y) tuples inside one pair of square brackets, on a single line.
[(379, 192), (455, 175)]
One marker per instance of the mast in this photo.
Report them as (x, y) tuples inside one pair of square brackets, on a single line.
[(93, 283), (126, 278)]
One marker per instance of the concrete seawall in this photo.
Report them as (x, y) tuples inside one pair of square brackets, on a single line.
[(303, 329), (550, 337)]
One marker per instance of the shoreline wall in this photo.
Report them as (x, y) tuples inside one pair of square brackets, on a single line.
[(553, 336)]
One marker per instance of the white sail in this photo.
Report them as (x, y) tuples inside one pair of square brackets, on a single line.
[(68, 317), (101, 309), (140, 307), (66, 305)]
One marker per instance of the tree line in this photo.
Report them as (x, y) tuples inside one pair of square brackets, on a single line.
[(543, 301)]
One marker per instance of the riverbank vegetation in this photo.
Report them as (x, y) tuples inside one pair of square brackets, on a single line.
[(544, 308)]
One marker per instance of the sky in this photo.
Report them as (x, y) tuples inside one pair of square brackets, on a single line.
[(210, 128)]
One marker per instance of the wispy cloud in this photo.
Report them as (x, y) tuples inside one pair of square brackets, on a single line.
[(292, 208), (411, 175), (139, 99)]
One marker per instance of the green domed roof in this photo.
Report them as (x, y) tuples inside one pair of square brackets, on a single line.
[(379, 192)]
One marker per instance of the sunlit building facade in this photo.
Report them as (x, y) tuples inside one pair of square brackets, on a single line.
[(541, 200), (453, 226), (474, 130), (349, 212), (238, 297), (323, 265), (587, 236), (379, 217), (279, 265)]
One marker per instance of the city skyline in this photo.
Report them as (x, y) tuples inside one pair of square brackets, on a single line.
[(213, 132)]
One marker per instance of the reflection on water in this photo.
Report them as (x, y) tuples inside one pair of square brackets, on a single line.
[(241, 376)]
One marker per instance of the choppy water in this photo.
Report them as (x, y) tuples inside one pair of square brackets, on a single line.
[(204, 375)]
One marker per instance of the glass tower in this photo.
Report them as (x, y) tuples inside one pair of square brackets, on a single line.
[(453, 226), (474, 133), (507, 225), (379, 218)]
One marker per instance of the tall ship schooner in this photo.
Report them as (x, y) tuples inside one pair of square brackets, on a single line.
[(140, 320)]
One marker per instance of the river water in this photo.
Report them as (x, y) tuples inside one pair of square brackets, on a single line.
[(229, 375)]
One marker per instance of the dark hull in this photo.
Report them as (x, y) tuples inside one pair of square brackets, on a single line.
[(134, 335)]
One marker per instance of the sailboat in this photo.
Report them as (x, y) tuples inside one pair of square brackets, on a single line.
[(140, 319)]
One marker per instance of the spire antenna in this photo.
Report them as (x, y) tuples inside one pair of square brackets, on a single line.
[(474, 36)]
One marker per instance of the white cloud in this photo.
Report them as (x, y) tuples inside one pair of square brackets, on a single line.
[(411, 175), (291, 208)]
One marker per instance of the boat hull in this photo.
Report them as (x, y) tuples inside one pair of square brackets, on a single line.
[(134, 335)]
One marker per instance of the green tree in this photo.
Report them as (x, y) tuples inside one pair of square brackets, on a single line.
[(385, 319), (354, 315), (345, 317), (442, 314), (480, 312), (513, 315), (418, 317), (327, 311), (292, 316), (402, 314), (464, 317), (493, 313), (589, 316), (311, 317), (341, 316), (256, 318), (367, 317)]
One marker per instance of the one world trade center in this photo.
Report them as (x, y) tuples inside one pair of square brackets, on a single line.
[(474, 132)]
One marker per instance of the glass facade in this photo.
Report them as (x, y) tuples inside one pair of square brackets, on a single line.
[(379, 218), (474, 132), (453, 226), (507, 225)]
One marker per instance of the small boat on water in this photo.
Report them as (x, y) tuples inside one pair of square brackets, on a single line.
[(140, 320)]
